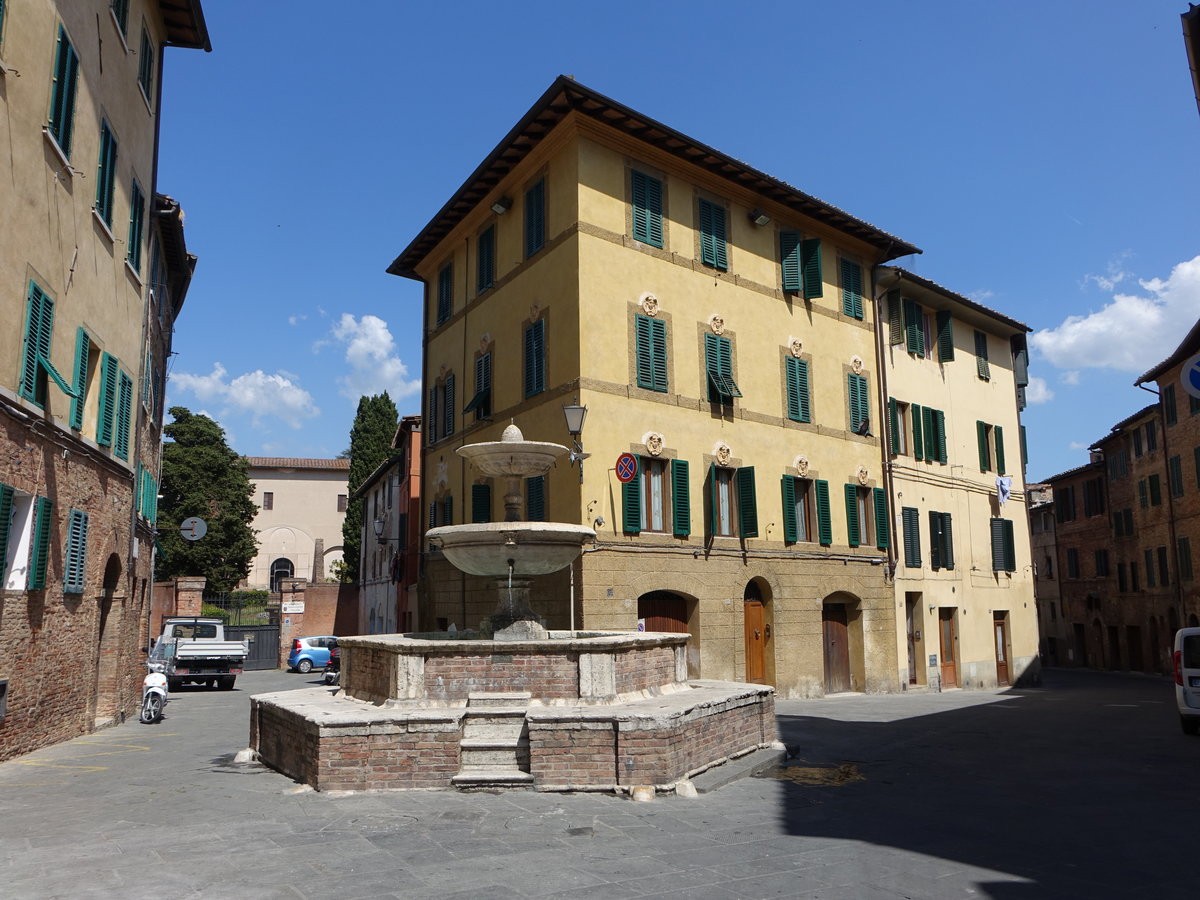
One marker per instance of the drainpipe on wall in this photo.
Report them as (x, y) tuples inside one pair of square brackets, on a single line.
[(885, 430)]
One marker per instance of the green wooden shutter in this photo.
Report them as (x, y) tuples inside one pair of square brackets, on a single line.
[(918, 444), (893, 426), (910, 521), (985, 456), (146, 65), (930, 433), (535, 218), (882, 532), (713, 251), (137, 218), (108, 400), (631, 503), (947, 542), (6, 505), (647, 209), (1010, 547), (998, 437), (681, 499), (852, 304), (791, 528), (1024, 447), (789, 259), (486, 275), (651, 341), (39, 553), (939, 424), (998, 554), (935, 540), (448, 510), (798, 407), (810, 268), (945, 336), (75, 553), (895, 318), (747, 503), (535, 498), (445, 293), (824, 521), (860, 411), (481, 503), (714, 512), (852, 526), (431, 416), (106, 174), (448, 409), (62, 97), (39, 326), (120, 10), (124, 415), (981, 356), (658, 353), (535, 358), (914, 334)]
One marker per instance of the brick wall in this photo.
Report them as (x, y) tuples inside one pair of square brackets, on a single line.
[(451, 677), (639, 670)]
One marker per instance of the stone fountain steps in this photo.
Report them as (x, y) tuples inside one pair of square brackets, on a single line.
[(494, 750)]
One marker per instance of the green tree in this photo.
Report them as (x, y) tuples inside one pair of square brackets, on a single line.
[(370, 444), (202, 476)]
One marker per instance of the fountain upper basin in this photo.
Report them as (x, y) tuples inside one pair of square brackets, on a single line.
[(536, 548)]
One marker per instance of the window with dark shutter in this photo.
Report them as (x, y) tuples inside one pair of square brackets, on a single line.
[(647, 208), (1184, 548), (535, 218), (747, 503), (914, 329), (852, 298), (651, 349), (797, 509), (445, 287), (859, 403), (789, 260), (796, 376), (481, 503), (631, 504), (1003, 547), (62, 93), (945, 336), (109, 371), (1170, 413), (981, 356), (7, 495), (811, 274), (535, 358), (1175, 476), (481, 401), (911, 522), (681, 501), (486, 275), (535, 498), (1155, 490), (448, 408), (83, 349), (124, 415), (713, 248), (718, 365), (106, 174), (137, 220), (75, 553), (146, 66), (39, 552), (824, 521), (431, 417), (882, 531)]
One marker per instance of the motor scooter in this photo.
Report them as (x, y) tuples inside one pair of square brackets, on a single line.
[(154, 696), (333, 668)]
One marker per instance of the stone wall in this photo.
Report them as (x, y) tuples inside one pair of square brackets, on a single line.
[(452, 677)]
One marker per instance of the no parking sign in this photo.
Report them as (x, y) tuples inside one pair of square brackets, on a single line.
[(627, 468), (1190, 376)]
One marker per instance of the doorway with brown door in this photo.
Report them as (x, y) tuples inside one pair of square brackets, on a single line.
[(835, 628), (916, 641), (757, 628), (948, 641), (1000, 630), (676, 614)]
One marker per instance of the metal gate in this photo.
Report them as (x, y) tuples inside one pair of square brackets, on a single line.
[(263, 641)]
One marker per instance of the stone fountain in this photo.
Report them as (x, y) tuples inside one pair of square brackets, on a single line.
[(523, 707)]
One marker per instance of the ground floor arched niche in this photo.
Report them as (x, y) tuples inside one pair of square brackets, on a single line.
[(109, 628), (281, 567), (758, 613), (842, 645), (674, 613)]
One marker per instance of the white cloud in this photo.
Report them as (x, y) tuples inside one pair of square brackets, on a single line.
[(1037, 391), (1131, 333), (256, 393), (1075, 445), (1115, 272), (370, 353), (982, 296), (296, 320), (1070, 377)]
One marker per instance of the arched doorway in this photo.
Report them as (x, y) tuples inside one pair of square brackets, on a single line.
[(664, 611), (281, 568), (108, 641), (842, 643), (757, 628)]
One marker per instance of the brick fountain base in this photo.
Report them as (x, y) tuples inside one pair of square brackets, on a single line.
[(580, 711)]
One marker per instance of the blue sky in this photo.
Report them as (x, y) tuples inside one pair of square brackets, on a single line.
[(1041, 154)]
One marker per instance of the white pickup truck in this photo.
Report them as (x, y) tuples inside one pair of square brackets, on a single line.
[(194, 650)]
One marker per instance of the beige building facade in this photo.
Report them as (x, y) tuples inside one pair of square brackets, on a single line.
[(954, 374), (719, 326), (301, 508), (94, 270)]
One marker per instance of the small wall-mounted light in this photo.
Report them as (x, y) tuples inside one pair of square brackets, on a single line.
[(759, 218), (501, 206), (932, 608)]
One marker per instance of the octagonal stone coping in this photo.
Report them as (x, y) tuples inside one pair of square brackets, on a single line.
[(535, 548), (568, 667)]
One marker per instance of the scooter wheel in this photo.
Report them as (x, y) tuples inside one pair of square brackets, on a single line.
[(152, 709)]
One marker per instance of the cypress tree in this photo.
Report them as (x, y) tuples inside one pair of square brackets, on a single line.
[(370, 444)]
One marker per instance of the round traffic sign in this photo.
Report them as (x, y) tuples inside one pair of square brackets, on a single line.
[(193, 528), (627, 468), (1190, 376)]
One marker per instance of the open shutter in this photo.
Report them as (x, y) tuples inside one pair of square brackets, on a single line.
[(981, 356), (448, 405), (798, 408), (658, 353), (124, 414), (927, 420), (714, 510), (39, 553), (914, 336), (895, 318), (38, 329), (647, 208), (882, 536), (791, 529), (985, 456), (108, 400), (893, 426), (912, 537), (945, 336), (487, 260), (852, 526), (935, 539), (431, 416), (998, 436), (681, 499), (824, 521), (645, 360), (852, 304), (918, 444), (810, 267), (1010, 547), (481, 503), (83, 346), (535, 358), (939, 424), (6, 504), (789, 257), (535, 218), (448, 511), (712, 235), (535, 502), (747, 503), (998, 558), (75, 563), (947, 542), (631, 504)]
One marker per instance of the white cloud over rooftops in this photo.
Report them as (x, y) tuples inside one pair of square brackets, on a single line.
[(256, 393), (370, 352), (1037, 391), (1133, 331)]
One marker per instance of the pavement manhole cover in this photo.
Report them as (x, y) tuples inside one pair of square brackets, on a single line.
[(823, 776)]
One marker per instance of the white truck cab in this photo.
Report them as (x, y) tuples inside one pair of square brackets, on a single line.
[(1187, 678)]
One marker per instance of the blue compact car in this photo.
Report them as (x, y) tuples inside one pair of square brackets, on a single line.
[(310, 653)]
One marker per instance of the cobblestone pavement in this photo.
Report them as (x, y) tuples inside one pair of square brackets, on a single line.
[(1082, 788)]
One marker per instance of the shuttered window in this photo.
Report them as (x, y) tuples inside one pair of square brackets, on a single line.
[(445, 295), (895, 314), (647, 208), (856, 531), (447, 514), (39, 326), (918, 432), (812, 276), (535, 218), (137, 216), (747, 503), (62, 93), (1185, 559), (914, 329), (120, 10), (481, 503), (1170, 411), (1155, 490), (448, 407), (859, 403), (106, 426), (733, 501), (981, 356), (39, 552), (990, 439), (651, 349), (718, 364), (1004, 555), (681, 502), (124, 415), (945, 336), (824, 521), (431, 419), (535, 358), (481, 401), (535, 498), (7, 495), (713, 248), (789, 260), (798, 405), (146, 65), (911, 522), (631, 503), (1175, 476), (75, 553), (882, 531), (797, 509), (852, 298), (941, 541), (487, 260), (106, 174)]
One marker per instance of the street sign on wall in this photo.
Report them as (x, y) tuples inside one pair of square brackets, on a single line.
[(627, 468), (1189, 376)]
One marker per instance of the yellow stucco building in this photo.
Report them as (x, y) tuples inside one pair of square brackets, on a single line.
[(954, 374)]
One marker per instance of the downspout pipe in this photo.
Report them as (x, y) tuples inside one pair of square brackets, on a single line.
[(885, 448)]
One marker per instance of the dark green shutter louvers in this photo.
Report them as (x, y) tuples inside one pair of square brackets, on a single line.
[(789, 258), (999, 556), (747, 503), (914, 333), (631, 503), (981, 356), (713, 250), (918, 444), (481, 503), (910, 520), (487, 259), (535, 218), (481, 402), (824, 521), (947, 542), (895, 318), (108, 400), (939, 423), (935, 540), (852, 525), (985, 456), (852, 304), (681, 499), (535, 505), (431, 416), (714, 508), (945, 336), (998, 437), (893, 426), (6, 504), (448, 405), (798, 408), (927, 423), (535, 359), (651, 348), (444, 294), (40, 549), (647, 209), (882, 536), (75, 553), (810, 268), (124, 415), (791, 528), (62, 100)]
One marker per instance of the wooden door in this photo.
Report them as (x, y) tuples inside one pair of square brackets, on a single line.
[(909, 609), (663, 611), (1000, 627), (837, 648), (948, 647), (756, 629)]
